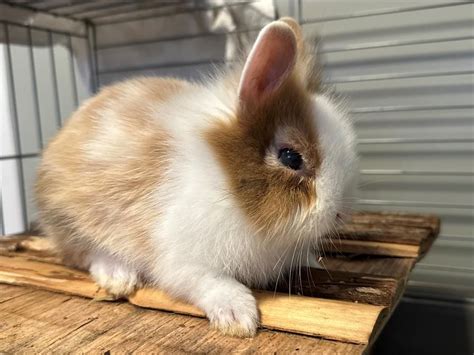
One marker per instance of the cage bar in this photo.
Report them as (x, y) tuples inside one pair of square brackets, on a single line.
[(35, 89), (55, 80), (73, 71)]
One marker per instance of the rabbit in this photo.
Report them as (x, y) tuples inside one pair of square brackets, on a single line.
[(202, 189)]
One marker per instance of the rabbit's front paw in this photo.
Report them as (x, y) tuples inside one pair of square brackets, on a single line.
[(232, 310), (116, 278)]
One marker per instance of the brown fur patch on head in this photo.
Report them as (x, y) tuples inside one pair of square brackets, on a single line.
[(270, 194)]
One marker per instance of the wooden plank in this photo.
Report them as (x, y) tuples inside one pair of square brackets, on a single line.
[(372, 248), (398, 268), (345, 286), (74, 324), (383, 233), (399, 219), (329, 319), (296, 314)]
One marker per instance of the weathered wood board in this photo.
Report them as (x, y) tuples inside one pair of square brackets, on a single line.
[(330, 319), (33, 321), (348, 303)]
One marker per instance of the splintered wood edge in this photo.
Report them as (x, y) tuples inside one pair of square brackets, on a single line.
[(328, 319)]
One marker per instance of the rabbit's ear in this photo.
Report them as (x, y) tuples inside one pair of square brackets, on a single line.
[(269, 63)]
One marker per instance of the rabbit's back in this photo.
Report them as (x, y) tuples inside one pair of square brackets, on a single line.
[(96, 180)]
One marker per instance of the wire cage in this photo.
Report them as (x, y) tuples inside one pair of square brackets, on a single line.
[(405, 68)]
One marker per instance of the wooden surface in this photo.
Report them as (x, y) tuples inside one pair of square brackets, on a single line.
[(33, 321), (326, 318), (349, 301)]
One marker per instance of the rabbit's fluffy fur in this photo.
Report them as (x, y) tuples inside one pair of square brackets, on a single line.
[(180, 185)]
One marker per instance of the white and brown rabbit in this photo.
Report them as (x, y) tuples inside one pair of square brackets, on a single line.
[(202, 190)]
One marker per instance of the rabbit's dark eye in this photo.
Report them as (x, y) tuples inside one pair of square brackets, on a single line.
[(290, 158)]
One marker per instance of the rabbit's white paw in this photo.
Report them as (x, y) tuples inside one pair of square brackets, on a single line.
[(116, 278), (232, 309)]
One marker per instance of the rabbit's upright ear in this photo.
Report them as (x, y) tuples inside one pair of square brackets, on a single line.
[(269, 63)]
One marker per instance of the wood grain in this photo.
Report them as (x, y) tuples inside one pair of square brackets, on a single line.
[(375, 265), (346, 286), (381, 233), (431, 222), (75, 325), (372, 248), (329, 319)]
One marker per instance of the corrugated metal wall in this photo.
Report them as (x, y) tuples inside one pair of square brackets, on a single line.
[(406, 68)]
